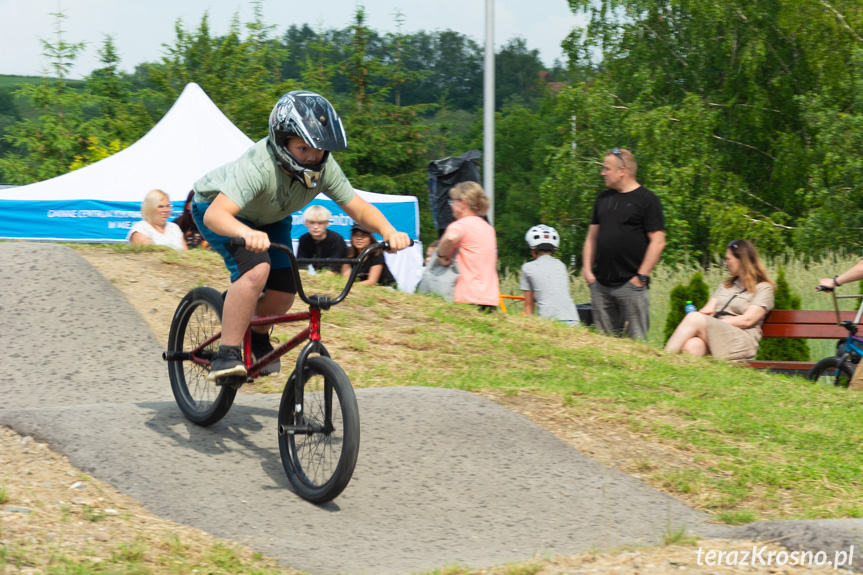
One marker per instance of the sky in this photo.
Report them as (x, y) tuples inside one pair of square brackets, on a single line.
[(140, 27)]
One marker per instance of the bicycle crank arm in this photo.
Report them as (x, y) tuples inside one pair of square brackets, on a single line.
[(205, 355), (301, 429)]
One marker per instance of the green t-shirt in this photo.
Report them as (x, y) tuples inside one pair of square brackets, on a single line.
[(264, 192)]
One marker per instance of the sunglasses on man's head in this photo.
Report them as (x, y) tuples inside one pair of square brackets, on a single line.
[(734, 245), (616, 152)]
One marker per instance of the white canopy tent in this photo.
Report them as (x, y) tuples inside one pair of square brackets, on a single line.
[(100, 202)]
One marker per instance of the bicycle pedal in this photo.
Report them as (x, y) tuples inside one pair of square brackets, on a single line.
[(234, 380)]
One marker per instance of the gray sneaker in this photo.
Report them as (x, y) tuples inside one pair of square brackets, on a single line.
[(227, 363), (261, 346)]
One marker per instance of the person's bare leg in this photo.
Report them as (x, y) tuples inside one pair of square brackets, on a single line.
[(695, 346), (240, 303), (693, 325), (272, 303)]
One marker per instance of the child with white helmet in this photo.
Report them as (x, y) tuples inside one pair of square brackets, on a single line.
[(545, 280)]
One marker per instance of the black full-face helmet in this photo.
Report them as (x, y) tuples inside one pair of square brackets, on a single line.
[(306, 115)]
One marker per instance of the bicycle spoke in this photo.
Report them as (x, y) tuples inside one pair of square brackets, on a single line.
[(319, 464), (197, 320)]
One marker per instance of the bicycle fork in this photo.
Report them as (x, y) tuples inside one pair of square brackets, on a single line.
[(296, 427)]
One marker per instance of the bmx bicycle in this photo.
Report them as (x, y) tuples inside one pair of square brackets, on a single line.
[(839, 369), (318, 421)]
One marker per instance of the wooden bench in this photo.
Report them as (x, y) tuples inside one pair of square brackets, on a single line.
[(805, 324)]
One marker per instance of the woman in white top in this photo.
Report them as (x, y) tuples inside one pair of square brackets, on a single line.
[(154, 228)]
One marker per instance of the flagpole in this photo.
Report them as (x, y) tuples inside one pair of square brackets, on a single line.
[(488, 109)]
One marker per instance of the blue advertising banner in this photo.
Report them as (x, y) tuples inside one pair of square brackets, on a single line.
[(99, 221)]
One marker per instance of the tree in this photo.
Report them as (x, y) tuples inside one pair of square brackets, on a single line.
[(316, 72), (241, 75), (727, 102), (9, 116), (52, 141), (454, 65), (696, 291), (387, 146), (517, 75), (523, 138), (121, 119)]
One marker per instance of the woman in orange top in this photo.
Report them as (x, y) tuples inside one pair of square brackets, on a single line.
[(475, 243)]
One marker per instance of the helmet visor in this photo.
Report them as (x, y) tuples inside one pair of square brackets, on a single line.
[(318, 124)]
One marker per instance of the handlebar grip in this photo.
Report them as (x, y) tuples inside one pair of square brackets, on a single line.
[(822, 288), (385, 245)]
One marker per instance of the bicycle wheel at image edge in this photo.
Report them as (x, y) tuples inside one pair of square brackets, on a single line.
[(198, 317), (832, 371), (319, 465)]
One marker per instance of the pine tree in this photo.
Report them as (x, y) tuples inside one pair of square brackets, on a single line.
[(676, 301), (387, 143), (699, 292), (696, 291), (122, 121)]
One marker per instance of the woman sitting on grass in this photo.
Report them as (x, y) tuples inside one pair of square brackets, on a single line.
[(729, 325)]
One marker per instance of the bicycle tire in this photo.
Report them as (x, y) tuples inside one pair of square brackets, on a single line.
[(832, 371), (197, 318), (320, 465)]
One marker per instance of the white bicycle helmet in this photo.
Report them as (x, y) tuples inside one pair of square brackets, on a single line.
[(542, 237)]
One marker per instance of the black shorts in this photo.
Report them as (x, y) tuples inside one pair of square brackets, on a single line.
[(239, 260)]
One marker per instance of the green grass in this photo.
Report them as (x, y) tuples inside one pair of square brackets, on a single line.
[(758, 446), (677, 536), (802, 276), (764, 446)]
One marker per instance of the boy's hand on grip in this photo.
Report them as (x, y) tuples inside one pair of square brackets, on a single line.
[(256, 241), (398, 241)]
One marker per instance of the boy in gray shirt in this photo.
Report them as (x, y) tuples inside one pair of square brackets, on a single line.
[(544, 280)]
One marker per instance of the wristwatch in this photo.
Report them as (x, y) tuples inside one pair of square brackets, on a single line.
[(645, 279)]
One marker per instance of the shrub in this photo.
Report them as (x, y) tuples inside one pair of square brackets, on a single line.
[(696, 291), (784, 349)]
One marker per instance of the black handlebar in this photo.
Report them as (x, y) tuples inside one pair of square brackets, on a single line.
[(822, 288), (316, 300)]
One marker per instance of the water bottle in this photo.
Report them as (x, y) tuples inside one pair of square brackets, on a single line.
[(690, 307)]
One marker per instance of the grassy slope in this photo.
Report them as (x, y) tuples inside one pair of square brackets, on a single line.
[(764, 446)]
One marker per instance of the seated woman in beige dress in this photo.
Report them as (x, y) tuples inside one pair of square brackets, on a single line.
[(729, 325)]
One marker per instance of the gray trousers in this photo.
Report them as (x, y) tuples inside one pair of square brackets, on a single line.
[(623, 310)]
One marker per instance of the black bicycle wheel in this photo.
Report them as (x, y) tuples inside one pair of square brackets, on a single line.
[(198, 318), (832, 371), (319, 461)]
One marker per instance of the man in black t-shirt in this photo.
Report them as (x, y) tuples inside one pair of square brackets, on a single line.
[(321, 242), (623, 244)]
